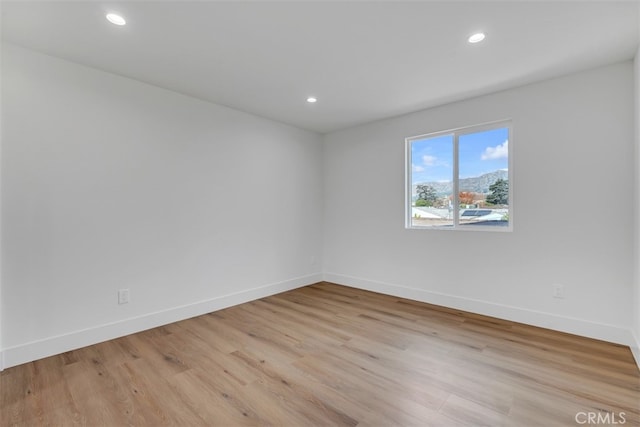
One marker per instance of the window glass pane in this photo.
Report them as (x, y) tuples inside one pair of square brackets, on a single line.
[(483, 177), (432, 182)]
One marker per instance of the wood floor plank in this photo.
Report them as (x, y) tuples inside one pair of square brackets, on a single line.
[(328, 355), (394, 408)]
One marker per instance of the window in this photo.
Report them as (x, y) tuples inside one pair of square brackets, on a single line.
[(460, 179)]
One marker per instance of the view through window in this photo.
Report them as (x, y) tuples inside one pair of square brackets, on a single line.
[(460, 179)]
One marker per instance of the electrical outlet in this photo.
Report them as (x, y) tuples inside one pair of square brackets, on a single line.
[(558, 291), (123, 296)]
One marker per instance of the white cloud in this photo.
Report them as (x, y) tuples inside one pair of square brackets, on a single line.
[(429, 160), (498, 152), (417, 168)]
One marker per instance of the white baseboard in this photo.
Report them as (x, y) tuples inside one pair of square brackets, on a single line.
[(35, 350), (59, 344), (570, 325)]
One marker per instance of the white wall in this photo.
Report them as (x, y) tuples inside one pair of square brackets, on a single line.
[(573, 188), (635, 346), (636, 297), (1, 127), (110, 183)]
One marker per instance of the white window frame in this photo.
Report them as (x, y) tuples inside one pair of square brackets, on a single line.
[(456, 133)]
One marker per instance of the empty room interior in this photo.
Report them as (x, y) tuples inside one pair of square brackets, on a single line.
[(320, 213)]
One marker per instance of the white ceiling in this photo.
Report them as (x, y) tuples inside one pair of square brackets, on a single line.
[(363, 60)]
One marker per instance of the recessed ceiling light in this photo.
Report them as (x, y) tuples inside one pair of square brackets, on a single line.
[(116, 19), (312, 99), (476, 38)]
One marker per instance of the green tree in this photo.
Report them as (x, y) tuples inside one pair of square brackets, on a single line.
[(427, 193), (499, 192)]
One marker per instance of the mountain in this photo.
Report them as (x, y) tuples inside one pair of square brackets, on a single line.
[(478, 184)]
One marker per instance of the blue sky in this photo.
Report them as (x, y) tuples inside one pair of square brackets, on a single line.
[(480, 153)]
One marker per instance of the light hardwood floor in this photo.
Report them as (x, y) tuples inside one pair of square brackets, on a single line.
[(330, 355)]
